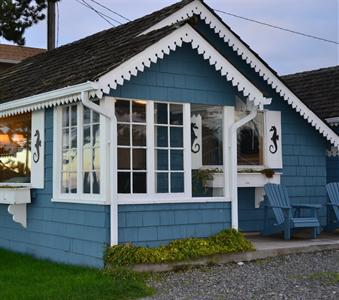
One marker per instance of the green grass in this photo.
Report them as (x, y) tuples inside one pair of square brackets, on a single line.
[(325, 277), (23, 277)]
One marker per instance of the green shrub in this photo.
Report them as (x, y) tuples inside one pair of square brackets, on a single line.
[(226, 241)]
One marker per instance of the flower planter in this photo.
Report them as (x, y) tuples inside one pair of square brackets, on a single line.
[(256, 179), (15, 195)]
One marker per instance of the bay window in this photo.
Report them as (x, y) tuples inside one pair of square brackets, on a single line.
[(15, 149)]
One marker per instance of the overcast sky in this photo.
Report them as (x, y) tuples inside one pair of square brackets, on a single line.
[(284, 52)]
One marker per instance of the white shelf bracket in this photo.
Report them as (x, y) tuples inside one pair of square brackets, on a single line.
[(19, 213)]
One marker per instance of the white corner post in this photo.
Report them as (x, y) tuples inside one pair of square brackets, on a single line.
[(112, 192), (234, 165)]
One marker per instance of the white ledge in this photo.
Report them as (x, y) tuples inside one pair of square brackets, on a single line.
[(17, 198)]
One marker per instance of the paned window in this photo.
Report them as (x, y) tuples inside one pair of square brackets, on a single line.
[(79, 171), (131, 126), (169, 147)]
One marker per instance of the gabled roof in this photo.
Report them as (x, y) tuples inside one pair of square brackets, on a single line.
[(83, 60), (127, 49), (319, 89), (16, 54)]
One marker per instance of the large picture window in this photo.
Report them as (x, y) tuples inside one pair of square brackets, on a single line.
[(150, 142), (207, 150), (15, 149)]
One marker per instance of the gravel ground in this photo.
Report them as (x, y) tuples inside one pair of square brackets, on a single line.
[(298, 276)]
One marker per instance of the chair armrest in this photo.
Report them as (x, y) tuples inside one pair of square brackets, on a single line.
[(314, 206), (277, 206)]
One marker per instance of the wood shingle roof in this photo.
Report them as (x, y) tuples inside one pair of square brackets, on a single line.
[(83, 60), (318, 89)]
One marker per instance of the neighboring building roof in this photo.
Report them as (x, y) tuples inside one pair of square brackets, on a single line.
[(319, 89), (15, 54), (83, 60)]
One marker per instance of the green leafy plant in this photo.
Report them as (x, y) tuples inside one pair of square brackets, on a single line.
[(269, 173), (226, 241), (202, 176)]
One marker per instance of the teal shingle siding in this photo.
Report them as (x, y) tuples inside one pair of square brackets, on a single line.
[(156, 224), (69, 233)]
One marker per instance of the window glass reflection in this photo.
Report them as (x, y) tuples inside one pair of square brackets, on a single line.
[(15, 149)]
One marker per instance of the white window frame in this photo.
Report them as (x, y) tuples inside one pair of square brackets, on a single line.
[(152, 196), (79, 197)]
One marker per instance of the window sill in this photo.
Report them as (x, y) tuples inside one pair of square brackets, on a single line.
[(147, 200), (256, 179), (80, 201)]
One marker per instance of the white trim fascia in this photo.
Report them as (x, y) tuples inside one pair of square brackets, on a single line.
[(197, 8), (333, 121), (184, 34), (61, 96)]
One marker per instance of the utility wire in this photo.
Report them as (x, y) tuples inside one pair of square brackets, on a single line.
[(109, 9), (100, 12), (101, 15), (278, 27)]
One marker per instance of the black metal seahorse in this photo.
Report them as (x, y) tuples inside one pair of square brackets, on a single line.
[(36, 155), (195, 147), (275, 138)]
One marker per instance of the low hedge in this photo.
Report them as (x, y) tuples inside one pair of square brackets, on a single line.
[(226, 241)]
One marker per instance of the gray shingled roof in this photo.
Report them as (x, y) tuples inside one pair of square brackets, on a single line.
[(318, 89), (83, 60)]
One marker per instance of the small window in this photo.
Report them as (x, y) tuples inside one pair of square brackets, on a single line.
[(169, 147), (132, 146), (79, 146), (69, 150), (15, 149)]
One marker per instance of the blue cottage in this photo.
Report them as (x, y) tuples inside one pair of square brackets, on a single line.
[(163, 128)]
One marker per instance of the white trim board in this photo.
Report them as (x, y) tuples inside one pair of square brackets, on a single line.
[(49, 99), (184, 34), (198, 8)]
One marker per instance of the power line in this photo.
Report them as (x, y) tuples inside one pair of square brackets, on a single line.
[(278, 27), (109, 9), (100, 14)]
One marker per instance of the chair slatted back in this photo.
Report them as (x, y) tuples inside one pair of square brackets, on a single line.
[(333, 194), (277, 196)]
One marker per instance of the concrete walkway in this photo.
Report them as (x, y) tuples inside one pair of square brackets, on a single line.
[(298, 243), (265, 247)]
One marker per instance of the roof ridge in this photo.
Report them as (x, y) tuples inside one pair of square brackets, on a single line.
[(309, 72)]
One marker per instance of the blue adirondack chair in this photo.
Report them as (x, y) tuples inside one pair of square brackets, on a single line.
[(277, 199), (333, 206)]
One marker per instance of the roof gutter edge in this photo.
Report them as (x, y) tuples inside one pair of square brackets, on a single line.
[(48, 99)]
